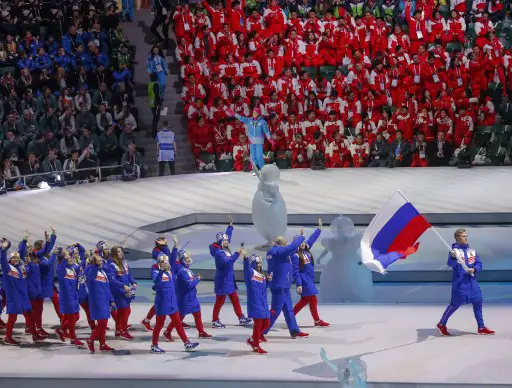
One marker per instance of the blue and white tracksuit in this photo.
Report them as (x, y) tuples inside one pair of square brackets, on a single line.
[(157, 64), (256, 130)]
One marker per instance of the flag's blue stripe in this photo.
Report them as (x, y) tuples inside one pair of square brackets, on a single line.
[(393, 227)]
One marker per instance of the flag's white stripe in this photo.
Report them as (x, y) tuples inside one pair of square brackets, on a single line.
[(382, 217)]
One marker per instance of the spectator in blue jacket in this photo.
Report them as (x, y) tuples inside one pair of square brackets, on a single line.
[(465, 288), (257, 305), (163, 275), (122, 286), (304, 276), (186, 293), (100, 301), (71, 40), (43, 61), (83, 58), (25, 62), (98, 57), (67, 273), (64, 60), (14, 282), (38, 266), (281, 273), (156, 63), (224, 280)]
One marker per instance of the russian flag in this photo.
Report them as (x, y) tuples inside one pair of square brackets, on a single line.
[(392, 234)]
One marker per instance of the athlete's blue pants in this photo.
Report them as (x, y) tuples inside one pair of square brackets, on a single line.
[(257, 155), (282, 301), (477, 310)]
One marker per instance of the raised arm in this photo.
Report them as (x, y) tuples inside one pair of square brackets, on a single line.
[(247, 270), (245, 120), (314, 236), (48, 262), (296, 270), (290, 248), (3, 256)]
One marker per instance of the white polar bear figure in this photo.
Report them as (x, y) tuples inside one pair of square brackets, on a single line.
[(344, 279), (269, 214)]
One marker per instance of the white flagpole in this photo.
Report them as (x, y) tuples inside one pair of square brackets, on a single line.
[(448, 246)]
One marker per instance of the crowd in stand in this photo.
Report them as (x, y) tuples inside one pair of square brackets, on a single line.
[(66, 89), (341, 83)]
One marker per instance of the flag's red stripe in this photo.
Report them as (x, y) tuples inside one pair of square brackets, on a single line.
[(409, 234)]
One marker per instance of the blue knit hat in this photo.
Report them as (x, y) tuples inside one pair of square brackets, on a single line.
[(254, 259), (183, 254), (221, 236), (101, 245)]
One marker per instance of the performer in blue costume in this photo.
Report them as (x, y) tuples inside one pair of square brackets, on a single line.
[(257, 305), (280, 269), (257, 128), (224, 280), (304, 276), (186, 294), (14, 282), (465, 288)]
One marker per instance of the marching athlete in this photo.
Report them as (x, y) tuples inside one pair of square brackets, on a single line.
[(67, 274), (304, 275), (257, 305), (100, 301), (14, 282), (186, 293), (40, 270), (224, 281), (122, 286), (163, 275), (465, 288), (280, 269)]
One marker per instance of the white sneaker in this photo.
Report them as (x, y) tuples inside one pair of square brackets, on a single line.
[(254, 173)]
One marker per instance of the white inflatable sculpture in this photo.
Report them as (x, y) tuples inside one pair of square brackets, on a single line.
[(344, 279), (269, 214)]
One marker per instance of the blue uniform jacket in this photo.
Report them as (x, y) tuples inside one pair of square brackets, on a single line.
[(35, 271), (465, 288), (156, 64), (83, 295), (65, 62), (256, 129), (224, 280), (70, 44), (68, 287), (280, 264), (48, 270), (305, 277), (186, 291), (99, 292), (44, 62), (15, 285), (256, 284), (27, 62), (165, 298), (119, 277)]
